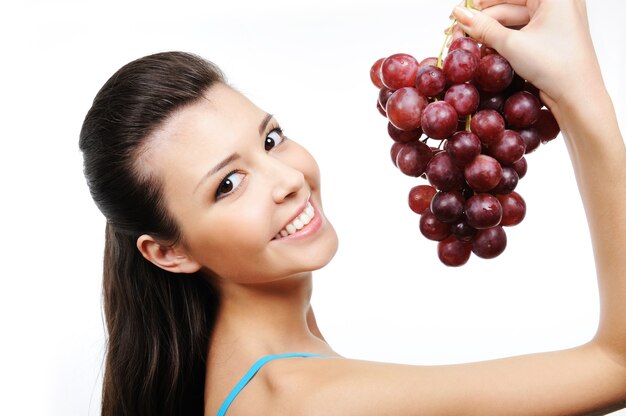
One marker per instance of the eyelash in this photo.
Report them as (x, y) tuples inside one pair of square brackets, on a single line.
[(219, 196)]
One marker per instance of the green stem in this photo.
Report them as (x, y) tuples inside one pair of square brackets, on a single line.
[(445, 42), (470, 5)]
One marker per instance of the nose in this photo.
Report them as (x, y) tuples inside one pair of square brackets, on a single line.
[(286, 180)]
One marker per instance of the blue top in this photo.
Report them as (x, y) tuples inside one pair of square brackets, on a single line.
[(251, 373)]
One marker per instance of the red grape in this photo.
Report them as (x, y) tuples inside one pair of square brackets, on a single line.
[(494, 73), (443, 173), (467, 44), (431, 60), (521, 110), (513, 208), (432, 228), (547, 127), (488, 125), (380, 109), (463, 97), (439, 120), (375, 73), (460, 66), (404, 108), (383, 96), (453, 252), (420, 197), (399, 71), (403, 136), (483, 211), (430, 80), (508, 183), (483, 173), (447, 206), (413, 158), (509, 149), (395, 149), (492, 101), (530, 137), (463, 231), (463, 147), (521, 166), (489, 243)]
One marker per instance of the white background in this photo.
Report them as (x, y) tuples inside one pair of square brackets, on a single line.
[(384, 297)]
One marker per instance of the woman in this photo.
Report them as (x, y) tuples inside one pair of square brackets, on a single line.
[(215, 222)]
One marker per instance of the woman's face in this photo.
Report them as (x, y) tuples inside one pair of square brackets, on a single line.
[(233, 183)]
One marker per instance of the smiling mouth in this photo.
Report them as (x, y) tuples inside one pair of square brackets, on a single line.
[(305, 217)]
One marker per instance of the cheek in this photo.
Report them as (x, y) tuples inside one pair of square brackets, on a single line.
[(231, 237)]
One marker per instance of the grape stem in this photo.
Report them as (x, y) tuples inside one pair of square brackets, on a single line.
[(445, 42), (470, 5)]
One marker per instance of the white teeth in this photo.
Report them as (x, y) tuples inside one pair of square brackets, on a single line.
[(303, 219), (309, 211)]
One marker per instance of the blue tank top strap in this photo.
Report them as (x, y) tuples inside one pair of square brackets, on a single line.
[(252, 372)]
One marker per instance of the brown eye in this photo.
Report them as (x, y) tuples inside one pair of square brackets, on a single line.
[(226, 186), (274, 138), (229, 184)]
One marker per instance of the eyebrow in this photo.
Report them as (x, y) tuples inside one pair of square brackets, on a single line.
[(232, 156), (265, 122)]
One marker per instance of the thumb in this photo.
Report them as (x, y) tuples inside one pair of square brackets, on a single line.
[(481, 27)]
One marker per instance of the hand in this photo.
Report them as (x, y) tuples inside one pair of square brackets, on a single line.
[(553, 50)]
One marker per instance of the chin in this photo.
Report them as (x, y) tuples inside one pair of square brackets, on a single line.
[(318, 255)]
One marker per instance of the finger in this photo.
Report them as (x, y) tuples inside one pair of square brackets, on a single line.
[(482, 27), (509, 14), (483, 4)]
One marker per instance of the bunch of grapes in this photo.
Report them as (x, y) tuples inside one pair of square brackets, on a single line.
[(464, 123)]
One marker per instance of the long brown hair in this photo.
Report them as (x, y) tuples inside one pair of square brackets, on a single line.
[(158, 323)]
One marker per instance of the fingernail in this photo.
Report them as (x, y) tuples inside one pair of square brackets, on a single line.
[(463, 15)]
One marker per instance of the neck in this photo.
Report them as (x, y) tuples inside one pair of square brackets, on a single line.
[(270, 318)]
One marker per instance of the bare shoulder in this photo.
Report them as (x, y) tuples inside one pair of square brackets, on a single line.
[(581, 380)]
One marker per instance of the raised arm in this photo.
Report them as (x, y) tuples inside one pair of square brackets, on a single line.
[(554, 51), (572, 86)]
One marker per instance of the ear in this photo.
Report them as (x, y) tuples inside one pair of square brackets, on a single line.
[(168, 258)]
